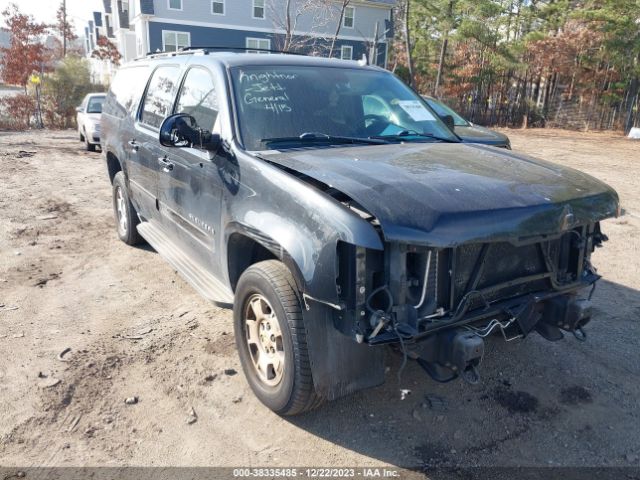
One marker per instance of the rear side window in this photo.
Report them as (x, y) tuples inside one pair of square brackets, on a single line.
[(126, 90), (198, 98), (160, 94)]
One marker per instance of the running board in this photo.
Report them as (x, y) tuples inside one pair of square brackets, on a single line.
[(202, 281)]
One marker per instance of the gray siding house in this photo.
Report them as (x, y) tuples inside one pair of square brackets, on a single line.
[(142, 26)]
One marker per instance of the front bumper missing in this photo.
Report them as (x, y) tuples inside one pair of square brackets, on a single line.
[(527, 310), (438, 305), (450, 348)]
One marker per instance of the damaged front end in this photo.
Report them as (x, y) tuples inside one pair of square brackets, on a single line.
[(436, 305)]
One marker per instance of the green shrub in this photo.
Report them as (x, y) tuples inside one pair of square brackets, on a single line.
[(63, 91)]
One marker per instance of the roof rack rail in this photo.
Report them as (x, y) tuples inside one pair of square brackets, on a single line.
[(207, 49), (241, 49)]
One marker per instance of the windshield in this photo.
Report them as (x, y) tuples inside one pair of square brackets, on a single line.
[(442, 110), (330, 105), (95, 105)]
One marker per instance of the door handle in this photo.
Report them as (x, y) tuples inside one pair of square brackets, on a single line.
[(134, 146), (167, 166)]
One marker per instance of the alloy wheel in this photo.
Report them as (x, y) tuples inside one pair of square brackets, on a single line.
[(264, 339), (121, 210)]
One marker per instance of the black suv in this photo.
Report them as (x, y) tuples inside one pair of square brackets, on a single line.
[(276, 185)]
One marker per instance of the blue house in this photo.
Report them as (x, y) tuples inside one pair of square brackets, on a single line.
[(318, 27)]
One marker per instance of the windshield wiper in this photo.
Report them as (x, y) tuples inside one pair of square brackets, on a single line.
[(412, 133), (312, 137)]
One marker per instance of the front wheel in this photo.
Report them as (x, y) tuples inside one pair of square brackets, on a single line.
[(271, 339), (91, 147)]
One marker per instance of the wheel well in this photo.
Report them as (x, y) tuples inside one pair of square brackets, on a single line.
[(242, 252), (113, 164)]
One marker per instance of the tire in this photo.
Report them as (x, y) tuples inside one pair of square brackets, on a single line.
[(269, 286), (91, 147), (123, 208), (81, 137)]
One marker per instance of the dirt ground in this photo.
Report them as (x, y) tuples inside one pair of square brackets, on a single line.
[(136, 329)]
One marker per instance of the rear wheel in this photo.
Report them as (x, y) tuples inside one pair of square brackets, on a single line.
[(126, 216), (271, 339)]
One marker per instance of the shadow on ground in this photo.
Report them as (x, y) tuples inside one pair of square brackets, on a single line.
[(539, 403)]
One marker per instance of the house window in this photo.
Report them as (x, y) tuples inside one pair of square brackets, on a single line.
[(258, 43), (349, 18), (217, 7), (174, 41), (346, 52), (175, 4), (258, 8)]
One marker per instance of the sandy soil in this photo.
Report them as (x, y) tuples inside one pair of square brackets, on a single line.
[(136, 329)]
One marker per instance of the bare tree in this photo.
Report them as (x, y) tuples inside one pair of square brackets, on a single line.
[(285, 15), (343, 7), (372, 46)]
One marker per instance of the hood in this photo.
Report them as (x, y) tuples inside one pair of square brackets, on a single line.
[(477, 134), (445, 194)]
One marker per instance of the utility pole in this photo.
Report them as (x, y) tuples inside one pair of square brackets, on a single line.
[(448, 25), (64, 28), (407, 41)]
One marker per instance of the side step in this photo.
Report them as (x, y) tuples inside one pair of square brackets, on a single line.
[(204, 282)]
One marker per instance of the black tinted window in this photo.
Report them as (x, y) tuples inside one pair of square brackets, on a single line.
[(160, 94), (126, 90), (198, 98), (288, 101)]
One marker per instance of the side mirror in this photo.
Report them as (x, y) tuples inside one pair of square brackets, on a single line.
[(181, 130), (211, 143), (79, 109), (448, 121)]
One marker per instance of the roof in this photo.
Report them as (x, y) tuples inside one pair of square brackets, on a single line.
[(236, 59)]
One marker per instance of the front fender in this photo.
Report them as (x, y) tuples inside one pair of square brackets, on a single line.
[(268, 243), (303, 224)]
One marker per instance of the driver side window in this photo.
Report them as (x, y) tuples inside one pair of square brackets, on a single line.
[(198, 98)]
